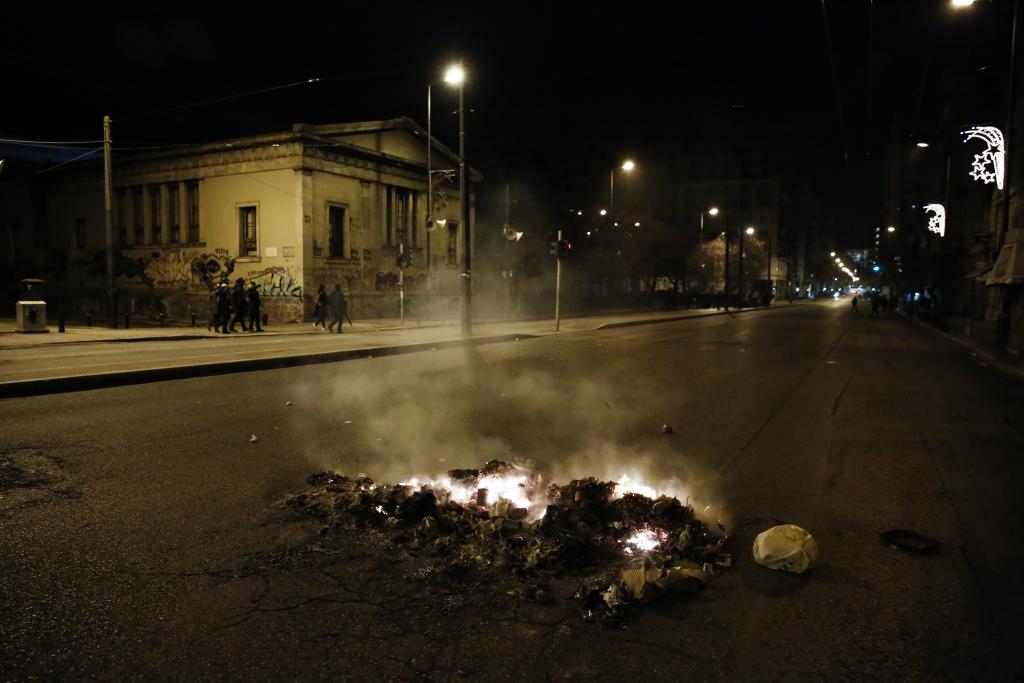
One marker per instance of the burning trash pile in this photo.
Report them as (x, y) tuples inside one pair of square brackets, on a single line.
[(502, 516)]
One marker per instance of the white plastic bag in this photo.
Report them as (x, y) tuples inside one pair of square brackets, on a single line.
[(786, 547)]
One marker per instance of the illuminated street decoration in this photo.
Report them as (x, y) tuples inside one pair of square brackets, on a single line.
[(937, 221), (990, 165)]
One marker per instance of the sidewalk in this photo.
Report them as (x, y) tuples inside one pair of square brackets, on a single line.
[(982, 350), (88, 358)]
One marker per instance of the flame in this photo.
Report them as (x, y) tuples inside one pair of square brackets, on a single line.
[(625, 484), (511, 488), (646, 539)]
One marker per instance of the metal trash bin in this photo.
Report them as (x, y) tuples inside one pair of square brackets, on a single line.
[(30, 308)]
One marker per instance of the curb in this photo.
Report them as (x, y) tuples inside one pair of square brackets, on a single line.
[(57, 385), (653, 321)]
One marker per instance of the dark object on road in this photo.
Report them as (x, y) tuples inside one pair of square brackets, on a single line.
[(667, 429), (911, 540)]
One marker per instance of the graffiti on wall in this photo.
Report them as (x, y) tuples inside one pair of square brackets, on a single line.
[(181, 268), (276, 281), (411, 282), (213, 269)]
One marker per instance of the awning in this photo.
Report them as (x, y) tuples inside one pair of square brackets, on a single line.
[(1009, 266)]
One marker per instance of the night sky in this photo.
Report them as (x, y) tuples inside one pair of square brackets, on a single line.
[(549, 83)]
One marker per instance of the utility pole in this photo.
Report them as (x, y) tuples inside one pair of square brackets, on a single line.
[(1010, 95), (430, 190), (401, 283), (726, 275), (739, 275), (558, 282), (109, 220), (508, 259), (467, 286)]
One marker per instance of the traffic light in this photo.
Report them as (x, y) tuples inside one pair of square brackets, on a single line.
[(403, 260), (560, 248)]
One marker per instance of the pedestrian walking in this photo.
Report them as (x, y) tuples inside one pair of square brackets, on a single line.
[(338, 307), (238, 305), (252, 298), (213, 319), (875, 305), (320, 308), (223, 308), (854, 304)]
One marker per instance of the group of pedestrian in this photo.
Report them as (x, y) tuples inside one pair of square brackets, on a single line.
[(880, 303), (234, 305), (333, 305)]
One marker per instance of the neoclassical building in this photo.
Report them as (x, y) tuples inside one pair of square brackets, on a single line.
[(319, 204)]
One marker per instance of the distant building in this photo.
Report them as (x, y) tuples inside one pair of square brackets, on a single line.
[(320, 204), (749, 192)]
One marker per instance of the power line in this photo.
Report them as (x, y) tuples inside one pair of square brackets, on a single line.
[(228, 98), (52, 168), (50, 143)]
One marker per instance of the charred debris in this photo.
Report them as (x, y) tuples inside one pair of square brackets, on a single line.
[(627, 550)]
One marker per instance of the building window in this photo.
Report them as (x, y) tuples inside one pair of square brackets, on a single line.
[(122, 218), (247, 231), (337, 246), (154, 209), (192, 190), (173, 213), (80, 233), (137, 216), (453, 243)]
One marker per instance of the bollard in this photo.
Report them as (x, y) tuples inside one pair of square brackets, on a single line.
[(161, 320), (127, 321), (60, 317), (193, 318), (264, 320), (88, 318)]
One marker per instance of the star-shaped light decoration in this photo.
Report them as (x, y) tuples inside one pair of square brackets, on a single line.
[(937, 221), (989, 166)]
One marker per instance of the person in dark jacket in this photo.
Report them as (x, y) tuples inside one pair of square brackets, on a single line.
[(223, 308), (338, 308), (214, 321), (238, 305), (252, 298), (320, 308)]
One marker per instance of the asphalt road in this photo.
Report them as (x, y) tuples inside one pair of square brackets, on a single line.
[(138, 540)]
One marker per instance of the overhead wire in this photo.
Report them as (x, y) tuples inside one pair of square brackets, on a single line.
[(51, 168), (50, 143)]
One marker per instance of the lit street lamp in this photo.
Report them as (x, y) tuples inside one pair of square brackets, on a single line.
[(455, 75)]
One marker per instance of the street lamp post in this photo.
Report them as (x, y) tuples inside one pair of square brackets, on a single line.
[(455, 75), (627, 166), (109, 223), (430, 189), (725, 284), (700, 243), (1010, 101)]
